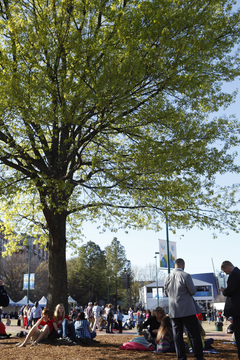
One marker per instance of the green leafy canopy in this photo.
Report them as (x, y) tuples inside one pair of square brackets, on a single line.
[(104, 113)]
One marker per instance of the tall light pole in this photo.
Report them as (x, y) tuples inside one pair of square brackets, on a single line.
[(167, 237), (29, 266), (156, 252), (108, 288)]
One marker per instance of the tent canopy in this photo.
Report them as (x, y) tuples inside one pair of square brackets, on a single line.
[(24, 302), (71, 300), (11, 302), (42, 301)]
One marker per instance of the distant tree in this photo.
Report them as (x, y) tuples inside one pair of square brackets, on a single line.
[(13, 278), (132, 294), (13, 271), (87, 279), (116, 262), (145, 272)]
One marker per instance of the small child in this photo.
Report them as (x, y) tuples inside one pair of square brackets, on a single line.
[(164, 340), (8, 319), (41, 329), (206, 343)]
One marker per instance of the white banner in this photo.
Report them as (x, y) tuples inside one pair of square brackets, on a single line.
[(160, 293), (163, 253), (25, 281)]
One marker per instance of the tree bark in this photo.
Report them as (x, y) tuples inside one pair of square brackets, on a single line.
[(57, 277)]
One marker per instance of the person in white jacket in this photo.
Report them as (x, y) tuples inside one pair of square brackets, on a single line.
[(96, 310)]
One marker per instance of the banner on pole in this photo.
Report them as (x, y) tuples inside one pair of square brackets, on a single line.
[(163, 253), (25, 281), (160, 293)]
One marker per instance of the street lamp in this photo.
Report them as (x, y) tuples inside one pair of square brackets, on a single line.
[(167, 236), (156, 252), (108, 288), (29, 266)]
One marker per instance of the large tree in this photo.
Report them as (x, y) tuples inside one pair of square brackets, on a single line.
[(103, 114)]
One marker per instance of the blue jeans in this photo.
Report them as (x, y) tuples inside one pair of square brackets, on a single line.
[(93, 334), (65, 327)]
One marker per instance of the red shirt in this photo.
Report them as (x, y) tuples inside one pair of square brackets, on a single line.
[(60, 320), (43, 323), (2, 328)]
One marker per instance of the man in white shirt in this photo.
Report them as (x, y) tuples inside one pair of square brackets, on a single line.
[(96, 310)]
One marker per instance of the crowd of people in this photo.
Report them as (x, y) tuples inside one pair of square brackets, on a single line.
[(163, 331)]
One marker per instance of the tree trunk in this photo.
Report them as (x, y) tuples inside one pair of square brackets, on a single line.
[(57, 277), (116, 295)]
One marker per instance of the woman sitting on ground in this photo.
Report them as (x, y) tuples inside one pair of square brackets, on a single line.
[(164, 339), (41, 329), (154, 323), (62, 324), (82, 328)]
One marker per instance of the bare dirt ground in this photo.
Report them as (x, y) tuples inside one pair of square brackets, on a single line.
[(107, 348)]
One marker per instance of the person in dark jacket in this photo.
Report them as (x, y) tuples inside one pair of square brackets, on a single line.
[(154, 322), (232, 292), (4, 299)]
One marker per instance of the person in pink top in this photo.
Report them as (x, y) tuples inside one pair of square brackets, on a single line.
[(148, 313)]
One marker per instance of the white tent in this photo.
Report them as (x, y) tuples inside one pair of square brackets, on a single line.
[(219, 306), (71, 300), (23, 302), (42, 301), (11, 302)]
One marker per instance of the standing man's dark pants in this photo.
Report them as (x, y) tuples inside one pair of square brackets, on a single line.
[(120, 326), (192, 326), (35, 320), (236, 329)]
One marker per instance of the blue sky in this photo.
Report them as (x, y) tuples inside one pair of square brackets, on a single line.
[(201, 252)]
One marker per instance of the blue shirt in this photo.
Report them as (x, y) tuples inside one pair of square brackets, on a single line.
[(36, 312), (81, 329)]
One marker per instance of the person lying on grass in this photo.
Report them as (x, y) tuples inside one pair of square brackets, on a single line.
[(41, 329)]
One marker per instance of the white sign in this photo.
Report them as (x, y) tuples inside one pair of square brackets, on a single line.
[(31, 282), (163, 253), (160, 293)]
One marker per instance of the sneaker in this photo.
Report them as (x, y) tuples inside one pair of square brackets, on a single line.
[(67, 339)]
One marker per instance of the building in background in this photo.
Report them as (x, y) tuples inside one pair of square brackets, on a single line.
[(148, 299), (37, 254)]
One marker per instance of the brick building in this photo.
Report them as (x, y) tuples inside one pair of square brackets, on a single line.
[(37, 254)]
